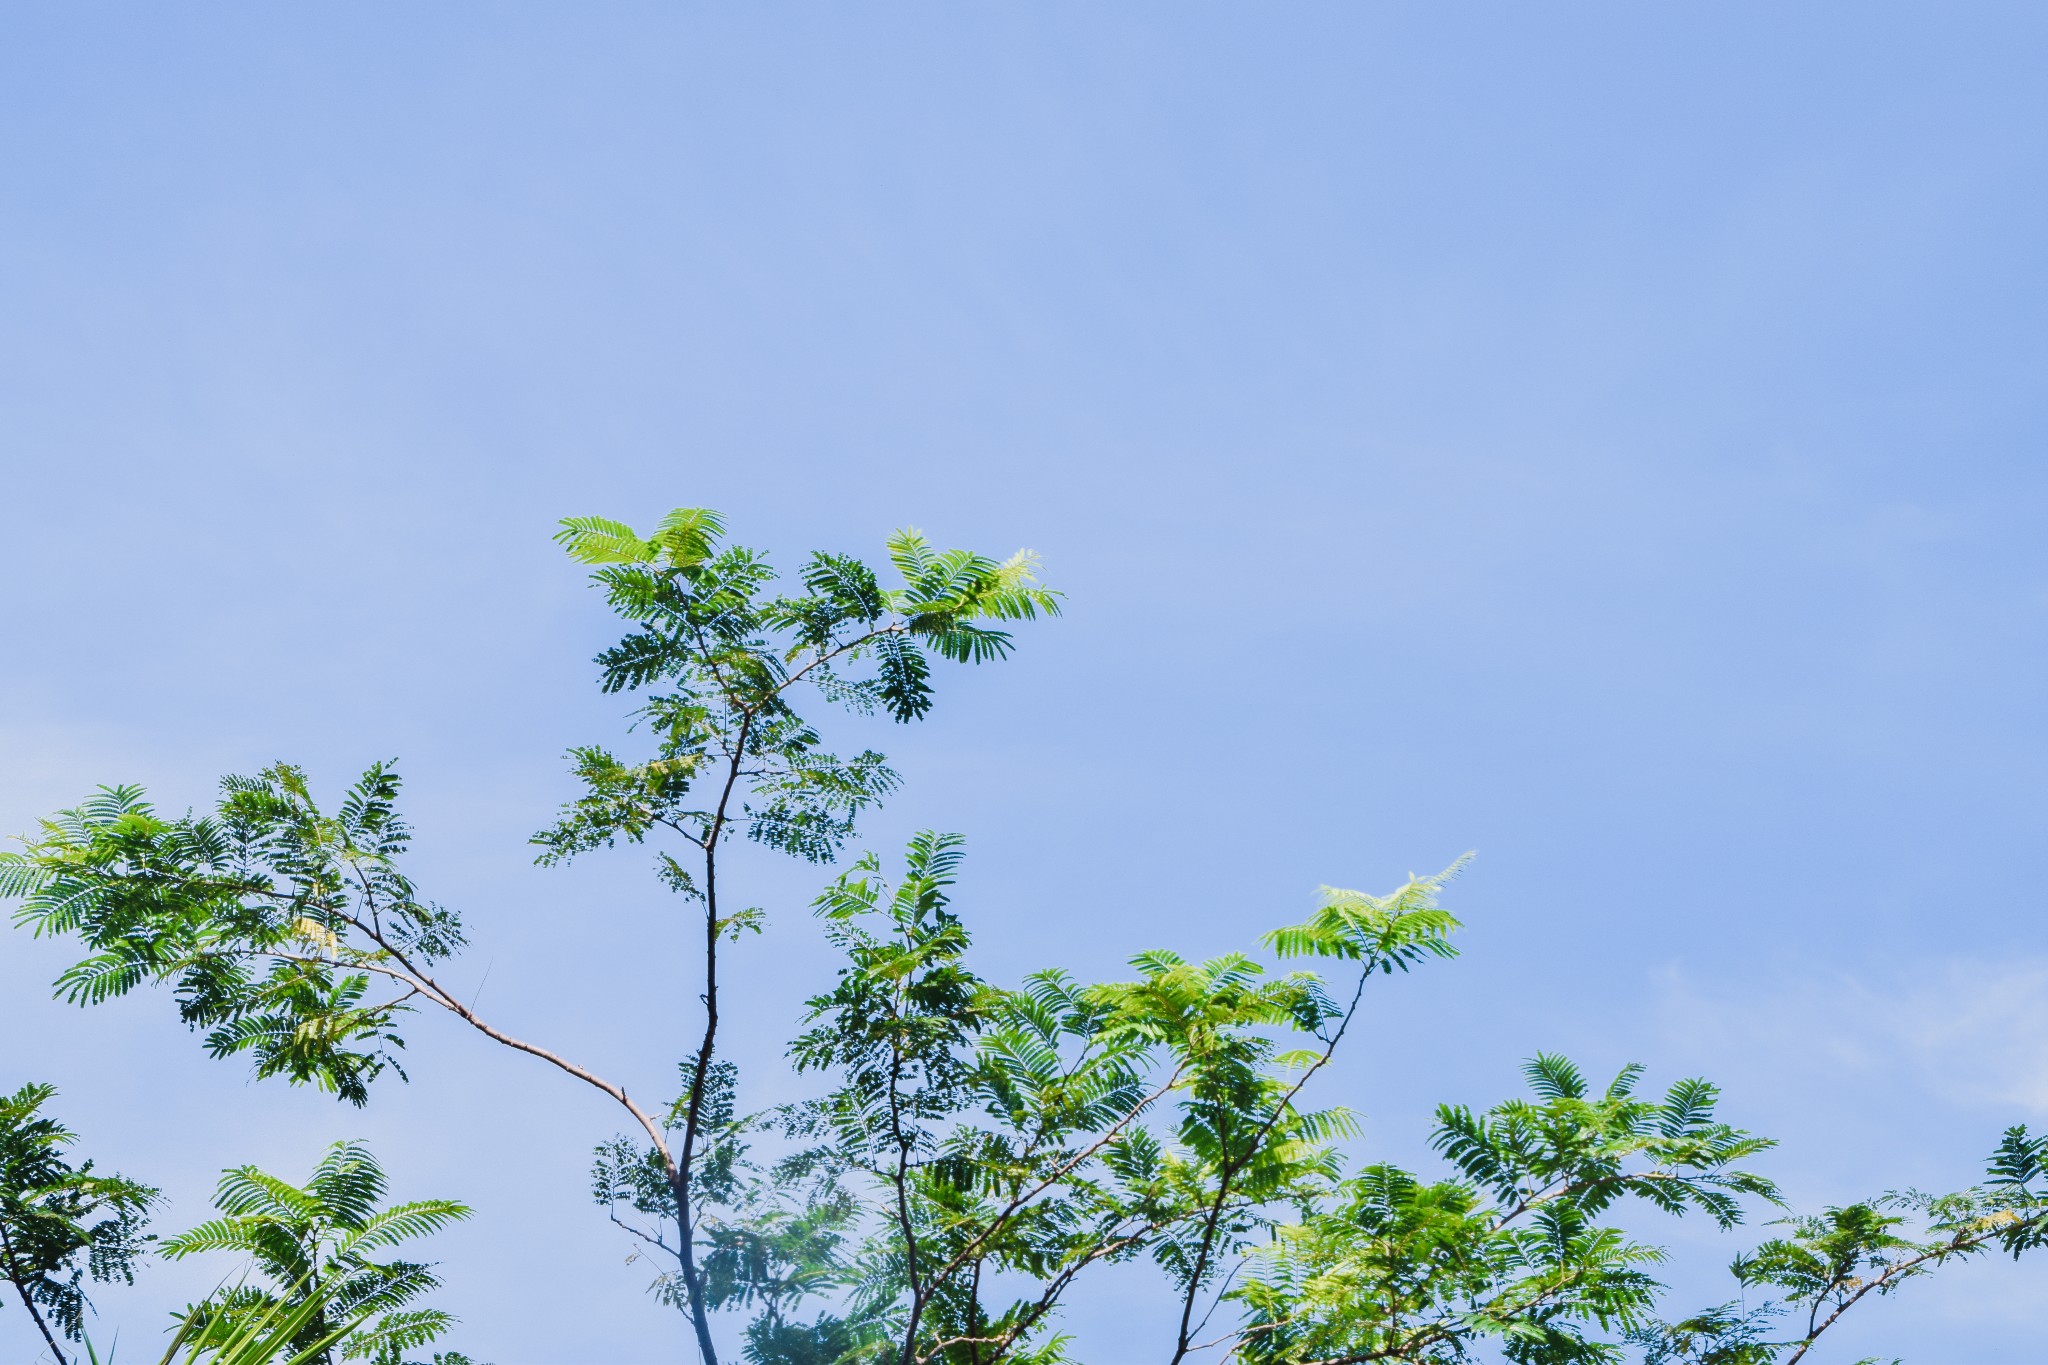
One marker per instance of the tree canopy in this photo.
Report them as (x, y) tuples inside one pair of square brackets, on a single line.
[(971, 1151)]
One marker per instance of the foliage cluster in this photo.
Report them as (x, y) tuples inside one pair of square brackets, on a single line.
[(60, 1223), (316, 1242), (315, 1293)]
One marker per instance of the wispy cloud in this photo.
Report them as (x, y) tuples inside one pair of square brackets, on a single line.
[(1970, 1031)]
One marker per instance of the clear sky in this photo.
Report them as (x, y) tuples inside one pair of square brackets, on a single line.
[(1608, 437)]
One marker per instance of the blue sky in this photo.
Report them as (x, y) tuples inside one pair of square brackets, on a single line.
[(1606, 437)]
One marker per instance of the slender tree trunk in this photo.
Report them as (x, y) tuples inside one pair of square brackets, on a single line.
[(693, 1279), (680, 1176), (41, 1326), (319, 1323), (679, 1173), (919, 1292), (7, 1244)]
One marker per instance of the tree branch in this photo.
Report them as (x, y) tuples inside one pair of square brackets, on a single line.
[(1231, 1168)]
